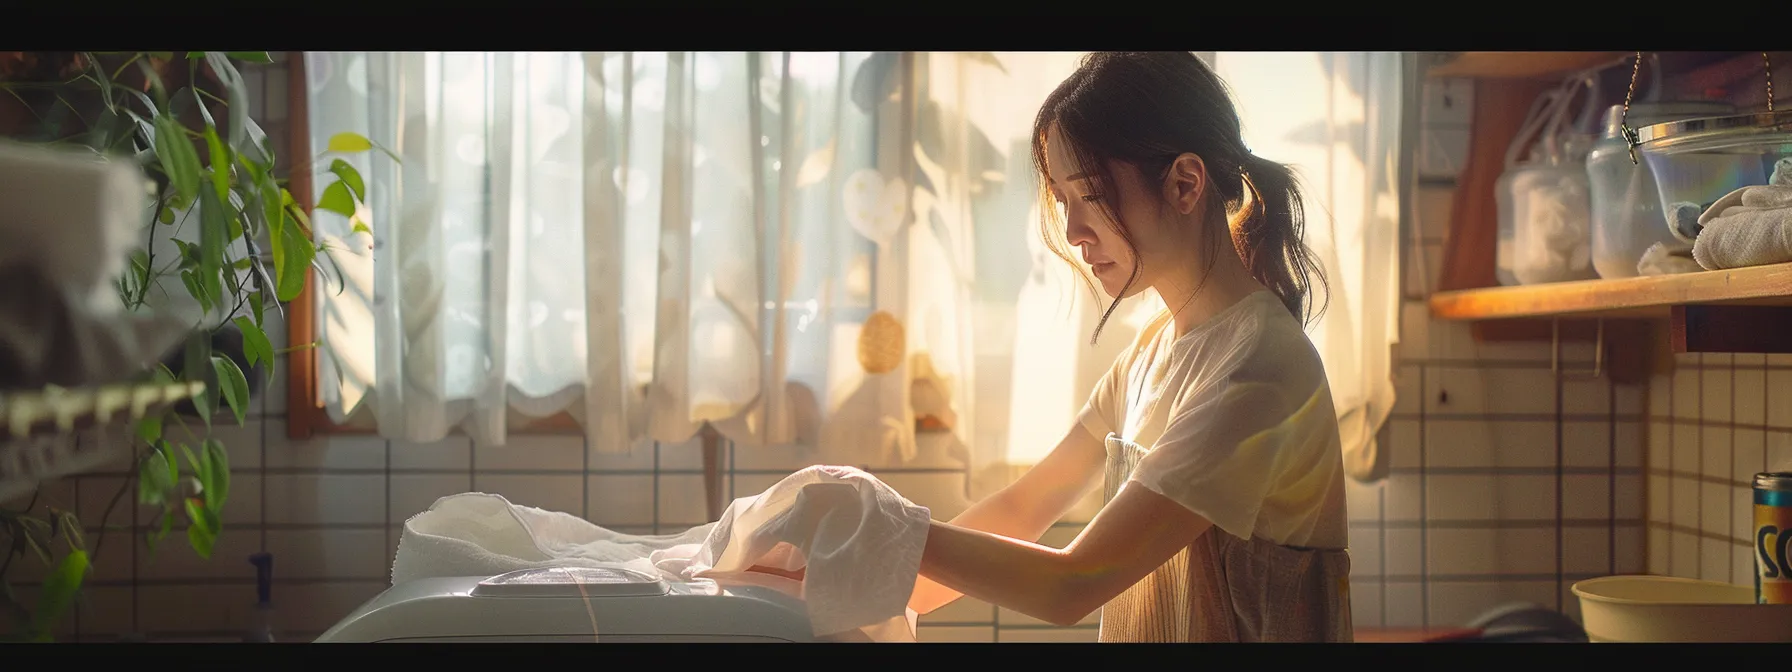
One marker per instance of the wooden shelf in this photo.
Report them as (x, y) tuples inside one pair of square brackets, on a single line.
[(1519, 64), (1652, 297)]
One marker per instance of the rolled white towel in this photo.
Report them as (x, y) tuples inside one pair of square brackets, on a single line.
[(1751, 226), (1666, 259)]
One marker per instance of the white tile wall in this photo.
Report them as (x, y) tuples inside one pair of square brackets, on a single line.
[(1494, 494), (1724, 423)]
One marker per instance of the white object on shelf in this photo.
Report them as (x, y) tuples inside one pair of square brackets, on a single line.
[(73, 215), (38, 428), (1672, 609)]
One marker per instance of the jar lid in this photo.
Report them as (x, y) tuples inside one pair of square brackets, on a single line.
[(1755, 129), (1645, 114)]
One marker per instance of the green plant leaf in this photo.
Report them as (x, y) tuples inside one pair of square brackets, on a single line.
[(217, 489), (179, 161), (150, 429), (255, 309), (233, 385), (264, 147), (202, 532), (198, 367), (348, 175), (220, 163), (153, 483), (271, 208), (361, 227), (192, 283), (250, 56), (59, 592), (256, 345), (214, 236), (100, 132), (200, 476), (349, 143), (173, 467), (292, 260), (149, 105), (336, 199), (179, 102), (235, 93)]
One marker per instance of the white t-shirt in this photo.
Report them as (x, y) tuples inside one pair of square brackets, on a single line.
[(1238, 422)]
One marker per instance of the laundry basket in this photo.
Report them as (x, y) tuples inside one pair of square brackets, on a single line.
[(1672, 609)]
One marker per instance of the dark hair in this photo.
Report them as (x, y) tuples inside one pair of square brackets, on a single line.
[(1147, 108)]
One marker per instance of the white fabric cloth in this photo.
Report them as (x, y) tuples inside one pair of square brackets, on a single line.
[(1667, 259), (858, 541), (1751, 226), (1238, 420)]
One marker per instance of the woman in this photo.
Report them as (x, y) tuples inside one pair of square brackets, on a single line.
[(1214, 432)]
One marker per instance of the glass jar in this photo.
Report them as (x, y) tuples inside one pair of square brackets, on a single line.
[(1626, 208)]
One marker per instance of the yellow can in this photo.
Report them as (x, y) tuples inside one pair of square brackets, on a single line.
[(1773, 535)]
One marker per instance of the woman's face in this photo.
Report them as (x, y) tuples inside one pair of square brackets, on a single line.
[(1142, 212)]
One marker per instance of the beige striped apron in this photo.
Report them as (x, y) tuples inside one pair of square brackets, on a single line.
[(1225, 589)]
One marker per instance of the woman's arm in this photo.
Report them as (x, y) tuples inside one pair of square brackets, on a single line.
[(1134, 534), (1027, 508)]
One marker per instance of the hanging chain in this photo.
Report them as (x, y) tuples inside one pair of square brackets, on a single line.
[(1767, 65), (1630, 137), (1624, 117)]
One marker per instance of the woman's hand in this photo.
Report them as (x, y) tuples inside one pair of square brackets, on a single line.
[(1028, 507)]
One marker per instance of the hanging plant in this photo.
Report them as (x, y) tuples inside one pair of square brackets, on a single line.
[(242, 246)]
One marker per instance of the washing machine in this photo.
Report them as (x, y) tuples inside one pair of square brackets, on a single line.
[(573, 604)]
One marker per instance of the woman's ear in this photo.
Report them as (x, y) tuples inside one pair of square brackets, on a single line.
[(1186, 182)]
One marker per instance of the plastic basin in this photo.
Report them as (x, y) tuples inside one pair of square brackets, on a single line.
[(1673, 609)]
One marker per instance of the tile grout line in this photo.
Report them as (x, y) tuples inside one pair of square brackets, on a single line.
[(1698, 503), (1611, 482), (1673, 452), (1731, 569), (1382, 522), (1424, 539), (262, 473), (1559, 490)]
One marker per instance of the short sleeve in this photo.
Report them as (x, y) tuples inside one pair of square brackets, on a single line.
[(1229, 442), (1099, 413)]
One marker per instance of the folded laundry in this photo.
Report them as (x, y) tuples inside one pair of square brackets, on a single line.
[(1751, 226)]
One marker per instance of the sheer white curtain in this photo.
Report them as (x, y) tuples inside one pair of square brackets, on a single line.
[(648, 241), (710, 247), (1336, 116)]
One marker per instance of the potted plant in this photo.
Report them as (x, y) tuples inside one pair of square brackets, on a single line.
[(219, 220)]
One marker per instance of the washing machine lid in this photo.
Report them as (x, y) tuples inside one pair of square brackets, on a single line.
[(583, 582)]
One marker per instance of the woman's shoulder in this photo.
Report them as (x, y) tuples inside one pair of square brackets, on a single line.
[(1270, 344)]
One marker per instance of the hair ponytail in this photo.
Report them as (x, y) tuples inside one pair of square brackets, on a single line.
[(1269, 232)]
